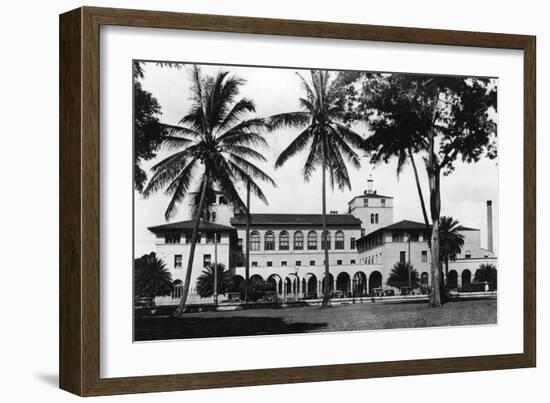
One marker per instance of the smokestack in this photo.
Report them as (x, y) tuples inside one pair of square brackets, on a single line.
[(490, 225)]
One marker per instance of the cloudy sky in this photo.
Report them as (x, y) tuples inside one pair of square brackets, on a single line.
[(276, 90)]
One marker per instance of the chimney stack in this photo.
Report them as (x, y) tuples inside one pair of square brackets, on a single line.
[(490, 225)]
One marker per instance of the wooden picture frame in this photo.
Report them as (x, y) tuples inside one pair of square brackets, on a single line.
[(80, 187)]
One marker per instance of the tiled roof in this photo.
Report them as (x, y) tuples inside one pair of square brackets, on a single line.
[(188, 225), (406, 224), (297, 219)]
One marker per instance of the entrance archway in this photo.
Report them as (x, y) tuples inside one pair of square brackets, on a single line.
[(375, 281), (359, 284), (311, 286), (342, 282), (466, 279), (330, 283), (452, 279)]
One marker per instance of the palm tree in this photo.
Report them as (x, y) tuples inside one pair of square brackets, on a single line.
[(451, 241), (205, 282), (151, 278), (326, 136), (214, 141), (399, 276)]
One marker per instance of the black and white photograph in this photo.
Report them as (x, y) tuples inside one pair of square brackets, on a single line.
[(274, 200)]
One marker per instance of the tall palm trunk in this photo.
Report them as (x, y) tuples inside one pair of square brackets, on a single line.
[(435, 209), (420, 195), (194, 238), (247, 262), (326, 291)]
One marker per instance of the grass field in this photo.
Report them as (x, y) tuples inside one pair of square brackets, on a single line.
[(248, 322)]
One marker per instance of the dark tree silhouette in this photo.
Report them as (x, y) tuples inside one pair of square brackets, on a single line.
[(148, 130), (151, 278), (205, 282), (486, 273), (399, 276), (451, 241)]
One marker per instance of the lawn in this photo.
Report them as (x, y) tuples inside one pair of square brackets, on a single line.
[(304, 319)]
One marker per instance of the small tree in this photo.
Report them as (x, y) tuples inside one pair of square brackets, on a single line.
[(399, 276), (205, 282), (486, 273), (151, 278), (451, 241)]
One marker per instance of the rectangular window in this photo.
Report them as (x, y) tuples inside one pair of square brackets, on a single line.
[(365, 202), (254, 264), (352, 243), (177, 261), (213, 217), (283, 263), (240, 243), (298, 262), (269, 264), (188, 238), (424, 256), (383, 202), (338, 262), (172, 237), (414, 236), (362, 231), (312, 262), (352, 261), (206, 260), (402, 256)]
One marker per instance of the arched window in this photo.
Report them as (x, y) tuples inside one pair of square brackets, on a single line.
[(298, 240), (283, 240), (376, 218), (325, 238), (312, 240), (269, 241), (254, 240), (339, 240), (372, 218)]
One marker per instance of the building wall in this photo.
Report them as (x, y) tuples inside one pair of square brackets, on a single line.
[(472, 244), (167, 253), (276, 256), (385, 212), (223, 212)]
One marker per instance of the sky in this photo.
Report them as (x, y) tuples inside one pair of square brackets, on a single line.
[(276, 90)]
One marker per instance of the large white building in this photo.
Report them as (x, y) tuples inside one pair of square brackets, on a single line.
[(286, 250)]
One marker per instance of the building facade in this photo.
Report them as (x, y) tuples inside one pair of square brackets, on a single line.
[(286, 250)]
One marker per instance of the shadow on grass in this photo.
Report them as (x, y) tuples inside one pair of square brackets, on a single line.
[(167, 328)]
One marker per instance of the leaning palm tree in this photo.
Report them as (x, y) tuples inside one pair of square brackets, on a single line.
[(451, 241), (214, 142), (330, 142)]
